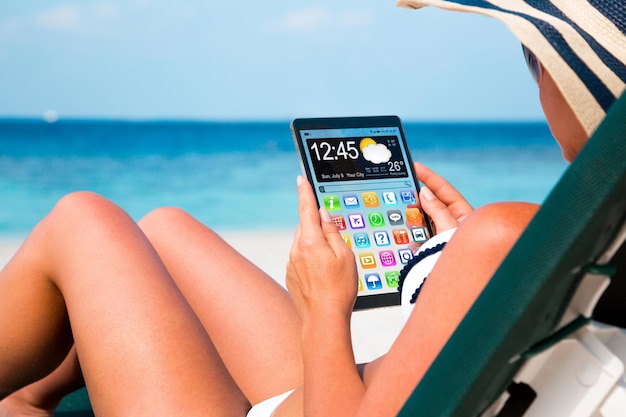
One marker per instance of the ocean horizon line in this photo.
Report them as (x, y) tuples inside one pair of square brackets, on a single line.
[(251, 121)]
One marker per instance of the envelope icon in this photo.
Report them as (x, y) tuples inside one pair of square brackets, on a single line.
[(351, 201)]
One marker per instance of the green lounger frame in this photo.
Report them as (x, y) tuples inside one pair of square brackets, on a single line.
[(75, 405), (527, 296)]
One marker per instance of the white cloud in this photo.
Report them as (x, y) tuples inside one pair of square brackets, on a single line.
[(377, 153), (72, 18), (62, 17), (317, 17), (105, 11), (302, 20)]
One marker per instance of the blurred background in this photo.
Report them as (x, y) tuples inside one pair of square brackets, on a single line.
[(192, 59), (188, 103)]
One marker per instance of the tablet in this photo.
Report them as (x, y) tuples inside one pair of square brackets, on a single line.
[(361, 171)]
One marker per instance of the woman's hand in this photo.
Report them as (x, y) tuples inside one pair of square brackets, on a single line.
[(440, 200), (322, 281), (321, 272)]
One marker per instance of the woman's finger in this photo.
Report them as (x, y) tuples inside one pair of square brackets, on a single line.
[(439, 213), (307, 210), (311, 218), (444, 191), (333, 237)]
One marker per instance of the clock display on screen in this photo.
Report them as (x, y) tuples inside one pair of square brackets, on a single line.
[(356, 158)]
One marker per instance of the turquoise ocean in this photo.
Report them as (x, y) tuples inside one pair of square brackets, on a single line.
[(238, 176)]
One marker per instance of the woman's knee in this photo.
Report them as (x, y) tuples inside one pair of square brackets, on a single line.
[(170, 229), (165, 218), (164, 224), (85, 207), (76, 215), (80, 220)]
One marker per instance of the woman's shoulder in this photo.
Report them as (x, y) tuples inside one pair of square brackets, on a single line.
[(490, 229), (488, 220)]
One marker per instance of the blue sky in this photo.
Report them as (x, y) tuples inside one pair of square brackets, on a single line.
[(192, 59)]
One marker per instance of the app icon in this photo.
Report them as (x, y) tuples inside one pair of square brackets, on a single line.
[(376, 219), (395, 217), (419, 234), (381, 238), (360, 285), (405, 255), (387, 258), (361, 240), (351, 201), (407, 196), (331, 202), (367, 260), (340, 222), (346, 238), (389, 197), (400, 236), (414, 216), (373, 281), (370, 199), (392, 278), (356, 221)]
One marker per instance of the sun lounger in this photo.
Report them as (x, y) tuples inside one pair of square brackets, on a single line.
[(531, 330)]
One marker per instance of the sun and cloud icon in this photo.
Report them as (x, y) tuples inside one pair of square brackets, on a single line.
[(374, 152)]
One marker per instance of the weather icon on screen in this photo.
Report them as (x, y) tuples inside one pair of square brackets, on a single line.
[(376, 153)]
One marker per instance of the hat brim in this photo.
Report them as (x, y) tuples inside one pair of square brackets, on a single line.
[(581, 45)]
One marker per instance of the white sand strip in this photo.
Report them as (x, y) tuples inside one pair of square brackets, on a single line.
[(8, 246)]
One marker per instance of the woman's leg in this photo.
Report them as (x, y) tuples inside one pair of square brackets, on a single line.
[(250, 318), (87, 273)]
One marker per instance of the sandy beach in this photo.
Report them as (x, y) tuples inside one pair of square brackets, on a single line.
[(373, 331)]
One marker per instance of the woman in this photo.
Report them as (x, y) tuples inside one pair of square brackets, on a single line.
[(144, 307)]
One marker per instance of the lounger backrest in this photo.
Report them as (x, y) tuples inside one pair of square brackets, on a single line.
[(525, 300)]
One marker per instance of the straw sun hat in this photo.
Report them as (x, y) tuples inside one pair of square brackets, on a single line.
[(581, 43)]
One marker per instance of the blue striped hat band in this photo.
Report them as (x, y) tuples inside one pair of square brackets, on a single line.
[(581, 43)]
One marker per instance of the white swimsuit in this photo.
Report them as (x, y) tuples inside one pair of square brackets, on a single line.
[(267, 407), (417, 270), (412, 278)]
